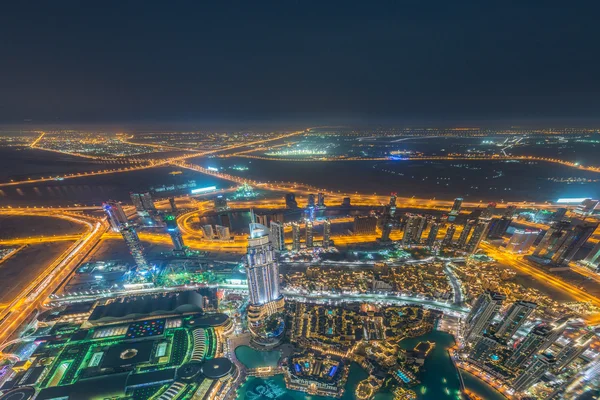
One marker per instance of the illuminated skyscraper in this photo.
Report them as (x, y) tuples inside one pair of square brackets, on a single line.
[(290, 201), (265, 299), (489, 211), (431, 237), (447, 241), (587, 207), (571, 351), (533, 343), (277, 235), (392, 204), (593, 258), (174, 232), (295, 236), (552, 240), (478, 234), (115, 213), (576, 238), (173, 205), (482, 314), (464, 235), (559, 214), (311, 200), (143, 203), (321, 200), (522, 240), (540, 365), (308, 226), (326, 233), (515, 317), (455, 211), (413, 230), (386, 225), (135, 246), (498, 227)]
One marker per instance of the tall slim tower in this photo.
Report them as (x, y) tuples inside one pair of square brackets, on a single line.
[(326, 233), (576, 238), (432, 236), (515, 317), (277, 235), (266, 302), (135, 246), (447, 241), (174, 233), (386, 224), (478, 234), (482, 314), (413, 230), (173, 205), (308, 226), (115, 213), (295, 236), (321, 200), (455, 209), (464, 235), (552, 240)]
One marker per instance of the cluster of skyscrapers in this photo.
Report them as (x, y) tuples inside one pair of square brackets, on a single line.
[(145, 208), (490, 344)]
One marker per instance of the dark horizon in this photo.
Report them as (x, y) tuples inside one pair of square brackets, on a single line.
[(350, 63)]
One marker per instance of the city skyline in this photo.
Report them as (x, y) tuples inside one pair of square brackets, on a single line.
[(283, 200)]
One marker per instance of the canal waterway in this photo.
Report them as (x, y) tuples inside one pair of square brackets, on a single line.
[(439, 378)]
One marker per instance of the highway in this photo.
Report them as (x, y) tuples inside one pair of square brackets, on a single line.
[(33, 296)]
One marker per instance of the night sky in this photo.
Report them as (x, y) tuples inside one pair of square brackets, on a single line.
[(408, 62)]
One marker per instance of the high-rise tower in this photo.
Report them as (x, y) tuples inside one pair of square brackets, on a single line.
[(266, 302), (277, 235), (447, 241), (455, 209), (308, 227), (478, 234), (326, 233), (135, 246), (482, 314), (174, 233), (464, 235), (295, 236), (115, 213), (432, 236)]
